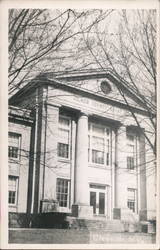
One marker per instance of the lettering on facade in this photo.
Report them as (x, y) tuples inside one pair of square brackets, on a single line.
[(90, 104), (81, 99), (99, 106)]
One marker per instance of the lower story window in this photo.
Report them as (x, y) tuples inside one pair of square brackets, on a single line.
[(131, 205), (12, 197), (62, 191), (131, 202), (12, 190)]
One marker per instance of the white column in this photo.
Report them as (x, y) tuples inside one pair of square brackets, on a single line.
[(50, 150), (113, 164), (73, 139), (81, 175), (142, 177), (121, 169)]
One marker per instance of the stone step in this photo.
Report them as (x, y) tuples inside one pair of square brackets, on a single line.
[(105, 225)]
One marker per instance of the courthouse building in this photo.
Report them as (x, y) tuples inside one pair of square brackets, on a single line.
[(74, 147)]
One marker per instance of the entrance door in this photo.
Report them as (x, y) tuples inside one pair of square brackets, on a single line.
[(101, 203), (93, 201), (98, 201)]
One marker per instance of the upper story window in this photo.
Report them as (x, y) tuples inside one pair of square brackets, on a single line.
[(131, 154), (99, 144), (14, 145), (64, 137)]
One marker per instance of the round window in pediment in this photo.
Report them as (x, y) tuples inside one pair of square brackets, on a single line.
[(105, 87)]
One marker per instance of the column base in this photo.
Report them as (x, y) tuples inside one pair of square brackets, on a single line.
[(82, 211), (147, 215), (125, 214), (143, 215)]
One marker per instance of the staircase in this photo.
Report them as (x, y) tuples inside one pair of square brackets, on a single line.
[(95, 224)]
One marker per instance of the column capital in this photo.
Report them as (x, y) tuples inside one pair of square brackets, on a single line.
[(84, 113), (54, 105)]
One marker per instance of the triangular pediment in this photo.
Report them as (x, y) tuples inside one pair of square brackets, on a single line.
[(95, 83), (90, 83)]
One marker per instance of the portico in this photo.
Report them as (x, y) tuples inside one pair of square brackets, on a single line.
[(87, 151)]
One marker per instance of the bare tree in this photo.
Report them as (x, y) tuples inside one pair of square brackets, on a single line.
[(44, 40), (41, 40), (38, 40), (130, 53)]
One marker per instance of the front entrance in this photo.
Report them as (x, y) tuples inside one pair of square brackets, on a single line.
[(98, 199)]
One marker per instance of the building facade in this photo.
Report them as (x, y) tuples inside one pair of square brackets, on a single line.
[(19, 156), (86, 154)]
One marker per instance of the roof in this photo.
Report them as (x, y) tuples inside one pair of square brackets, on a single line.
[(64, 79), (19, 114)]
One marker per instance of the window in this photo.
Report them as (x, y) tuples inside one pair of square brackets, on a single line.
[(105, 87), (64, 138), (130, 157), (12, 190), (130, 151), (131, 202), (97, 150), (98, 144), (130, 137), (130, 162), (14, 145), (62, 191)]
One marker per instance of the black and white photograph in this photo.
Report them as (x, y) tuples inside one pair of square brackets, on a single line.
[(82, 126)]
